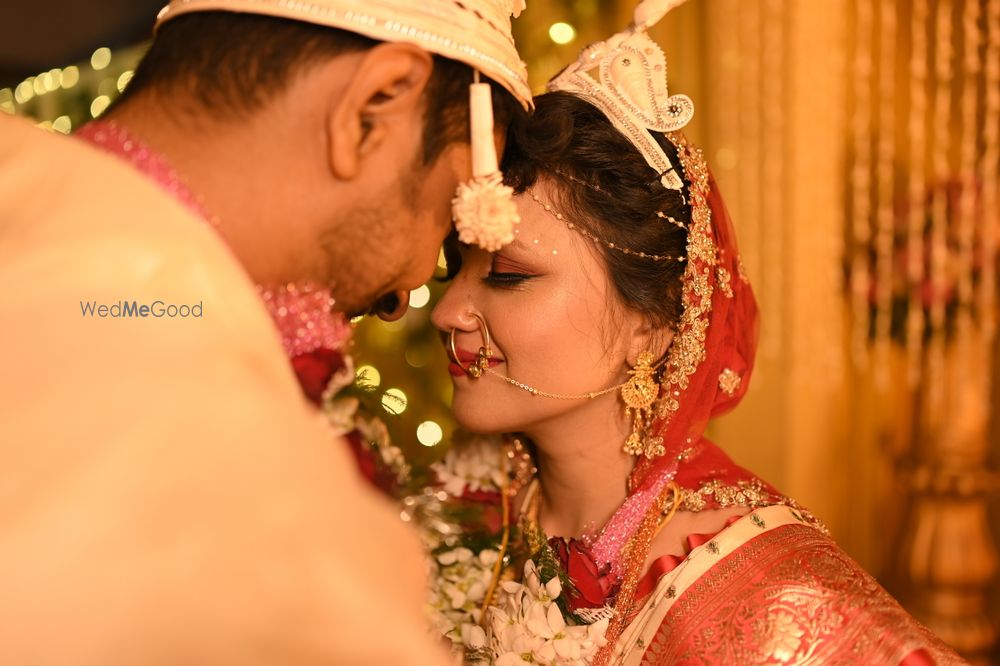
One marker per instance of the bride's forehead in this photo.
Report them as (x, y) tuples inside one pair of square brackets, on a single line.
[(541, 224)]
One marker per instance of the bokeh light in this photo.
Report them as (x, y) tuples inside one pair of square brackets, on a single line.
[(124, 79), (6, 100), (394, 401), (420, 297), (24, 91), (70, 77), (99, 105), (368, 375), (416, 356), (62, 124), (101, 58), (562, 33), (429, 433)]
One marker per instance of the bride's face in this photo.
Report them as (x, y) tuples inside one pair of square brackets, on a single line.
[(555, 323)]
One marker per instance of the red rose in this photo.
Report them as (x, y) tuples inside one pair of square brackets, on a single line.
[(478, 515), (480, 495), (364, 456), (593, 584), (493, 519), (370, 465), (316, 369)]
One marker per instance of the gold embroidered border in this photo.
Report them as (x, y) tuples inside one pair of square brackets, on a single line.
[(751, 493), (788, 596)]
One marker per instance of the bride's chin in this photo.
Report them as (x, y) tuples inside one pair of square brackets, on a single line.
[(479, 418)]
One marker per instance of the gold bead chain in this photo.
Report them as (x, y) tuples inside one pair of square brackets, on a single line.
[(597, 188), (557, 396), (596, 239)]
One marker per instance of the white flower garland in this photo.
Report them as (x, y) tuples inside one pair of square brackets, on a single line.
[(524, 622), (527, 625)]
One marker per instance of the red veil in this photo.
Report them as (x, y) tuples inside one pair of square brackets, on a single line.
[(711, 358)]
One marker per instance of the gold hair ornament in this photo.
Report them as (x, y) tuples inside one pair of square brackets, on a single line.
[(593, 237), (597, 188)]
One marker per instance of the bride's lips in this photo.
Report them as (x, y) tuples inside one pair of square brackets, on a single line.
[(466, 358)]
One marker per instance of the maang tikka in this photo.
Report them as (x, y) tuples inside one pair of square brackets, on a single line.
[(639, 393)]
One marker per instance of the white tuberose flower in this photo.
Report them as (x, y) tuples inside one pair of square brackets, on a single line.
[(471, 463), (527, 625)]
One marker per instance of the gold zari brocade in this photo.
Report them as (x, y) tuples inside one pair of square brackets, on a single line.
[(774, 589)]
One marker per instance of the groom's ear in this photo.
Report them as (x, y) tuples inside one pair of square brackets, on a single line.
[(382, 101)]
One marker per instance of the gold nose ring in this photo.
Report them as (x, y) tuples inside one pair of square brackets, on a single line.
[(482, 362)]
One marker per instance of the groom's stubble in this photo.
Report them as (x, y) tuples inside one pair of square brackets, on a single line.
[(366, 248)]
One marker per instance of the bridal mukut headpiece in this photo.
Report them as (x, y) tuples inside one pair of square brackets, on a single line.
[(475, 32), (626, 78)]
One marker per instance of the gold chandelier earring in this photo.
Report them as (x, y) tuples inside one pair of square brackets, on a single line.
[(639, 393), (482, 362)]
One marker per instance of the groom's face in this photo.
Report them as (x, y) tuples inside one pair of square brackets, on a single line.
[(377, 149), (390, 242)]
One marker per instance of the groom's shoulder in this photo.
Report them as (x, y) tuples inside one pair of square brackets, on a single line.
[(79, 227), (106, 276), (59, 192)]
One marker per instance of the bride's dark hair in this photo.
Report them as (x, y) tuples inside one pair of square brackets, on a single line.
[(605, 186)]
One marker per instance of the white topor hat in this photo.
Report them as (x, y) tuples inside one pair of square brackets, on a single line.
[(475, 32)]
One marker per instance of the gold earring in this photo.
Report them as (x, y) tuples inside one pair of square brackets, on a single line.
[(639, 393)]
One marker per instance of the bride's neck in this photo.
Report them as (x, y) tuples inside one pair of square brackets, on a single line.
[(582, 469)]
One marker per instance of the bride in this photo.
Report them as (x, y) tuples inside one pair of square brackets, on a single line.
[(598, 525)]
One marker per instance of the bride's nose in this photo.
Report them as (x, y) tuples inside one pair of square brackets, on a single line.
[(454, 310)]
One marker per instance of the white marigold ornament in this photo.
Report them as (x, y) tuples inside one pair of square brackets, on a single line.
[(483, 208), (485, 213)]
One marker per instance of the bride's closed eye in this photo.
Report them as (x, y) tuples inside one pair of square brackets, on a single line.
[(505, 279), (506, 273)]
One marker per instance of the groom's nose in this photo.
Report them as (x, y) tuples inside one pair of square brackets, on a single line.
[(393, 305)]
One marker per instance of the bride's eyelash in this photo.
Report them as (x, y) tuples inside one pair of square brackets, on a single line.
[(506, 279)]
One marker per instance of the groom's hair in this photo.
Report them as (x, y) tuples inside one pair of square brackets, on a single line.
[(229, 65)]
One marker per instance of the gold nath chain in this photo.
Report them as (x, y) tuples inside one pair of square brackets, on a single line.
[(596, 239), (558, 396)]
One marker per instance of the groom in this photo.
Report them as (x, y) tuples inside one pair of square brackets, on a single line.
[(166, 497)]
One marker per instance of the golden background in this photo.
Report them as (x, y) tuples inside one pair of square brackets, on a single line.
[(818, 119)]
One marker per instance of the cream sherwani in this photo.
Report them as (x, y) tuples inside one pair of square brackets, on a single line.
[(166, 497)]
